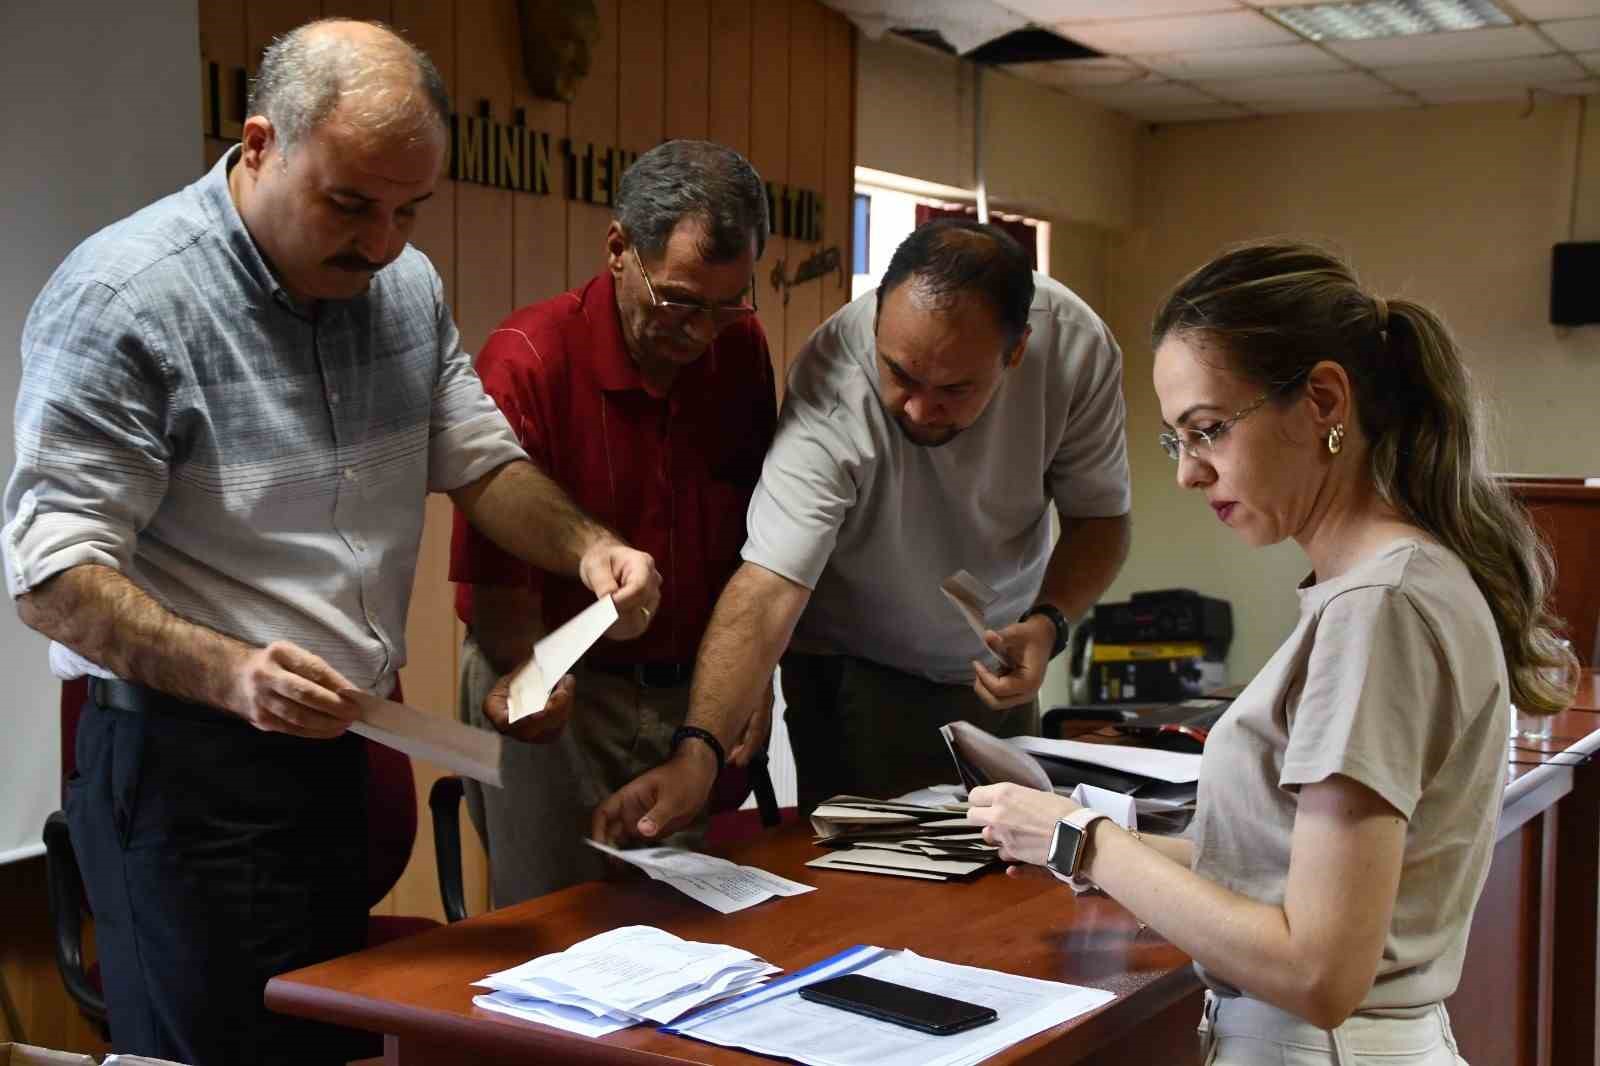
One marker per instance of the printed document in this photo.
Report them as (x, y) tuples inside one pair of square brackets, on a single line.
[(779, 1023), (719, 884)]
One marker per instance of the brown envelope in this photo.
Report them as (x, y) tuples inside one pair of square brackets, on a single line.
[(984, 759)]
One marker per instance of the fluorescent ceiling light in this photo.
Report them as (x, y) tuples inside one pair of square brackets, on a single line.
[(1387, 18)]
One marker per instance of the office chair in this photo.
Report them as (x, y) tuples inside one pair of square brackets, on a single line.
[(392, 832)]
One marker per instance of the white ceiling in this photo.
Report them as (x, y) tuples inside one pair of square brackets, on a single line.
[(1183, 60)]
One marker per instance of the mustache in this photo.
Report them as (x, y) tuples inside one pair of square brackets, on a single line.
[(355, 264)]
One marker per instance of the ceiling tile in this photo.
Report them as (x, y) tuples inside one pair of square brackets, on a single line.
[(1300, 87), (1071, 72), (1201, 113), (1152, 92), (1463, 94), (1557, 9), (1501, 42), (1141, 36), (1393, 102), (1575, 35), (1048, 11), (1243, 62), (1538, 70)]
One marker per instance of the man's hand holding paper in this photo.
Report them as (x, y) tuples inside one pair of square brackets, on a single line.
[(1025, 645), (629, 577)]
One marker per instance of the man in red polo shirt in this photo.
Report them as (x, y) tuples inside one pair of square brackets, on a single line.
[(647, 394)]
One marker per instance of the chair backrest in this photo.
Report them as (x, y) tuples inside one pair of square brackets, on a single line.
[(391, 795)]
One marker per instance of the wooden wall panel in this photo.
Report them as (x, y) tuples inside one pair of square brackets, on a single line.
[(375, 10), (641, 74), (687, 94), (431, 26), (732, 58), (222, 41), (807, 81), (539, 223), (593, 118), (769, 151), (263, 21), (838, 169)]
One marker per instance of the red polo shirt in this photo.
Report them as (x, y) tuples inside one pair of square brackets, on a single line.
[(672, 474)]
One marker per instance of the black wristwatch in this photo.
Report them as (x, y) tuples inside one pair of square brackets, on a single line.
[(1057, 619)]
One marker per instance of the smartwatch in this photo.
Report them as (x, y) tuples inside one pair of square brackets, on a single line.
[(1071, 842), (1057, 619)]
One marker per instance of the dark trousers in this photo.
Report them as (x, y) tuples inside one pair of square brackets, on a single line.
[(862, 729), (215, 856)]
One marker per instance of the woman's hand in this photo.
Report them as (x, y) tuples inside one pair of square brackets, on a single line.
[(1021, 820)]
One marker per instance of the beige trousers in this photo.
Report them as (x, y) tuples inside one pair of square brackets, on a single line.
[(1247, 1032), (534, 827)]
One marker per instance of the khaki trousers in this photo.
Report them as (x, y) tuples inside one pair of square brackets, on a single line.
[(534, 827)]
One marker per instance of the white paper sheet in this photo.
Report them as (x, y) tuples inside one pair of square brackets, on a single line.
[(440, 740), (570, 1019), (1173, 766), (787, 1026), (719, 884), (556, 654)]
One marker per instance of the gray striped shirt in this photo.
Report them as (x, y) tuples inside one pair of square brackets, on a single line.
[(257, 468)]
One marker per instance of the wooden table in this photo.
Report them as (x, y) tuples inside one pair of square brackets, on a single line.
[(1538, 919), (417, 990)]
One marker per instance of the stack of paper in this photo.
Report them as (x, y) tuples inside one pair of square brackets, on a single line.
[(775, 1021), (621, 978), (934, 843)]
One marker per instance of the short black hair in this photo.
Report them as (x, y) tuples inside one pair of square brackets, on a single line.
[(694, 179), (951, 256)]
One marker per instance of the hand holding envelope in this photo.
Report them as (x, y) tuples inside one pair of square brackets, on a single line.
[(532, 703)]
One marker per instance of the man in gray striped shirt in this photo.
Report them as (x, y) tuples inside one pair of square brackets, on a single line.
[(233, 405)]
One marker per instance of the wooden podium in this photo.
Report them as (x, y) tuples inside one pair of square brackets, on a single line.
[(1567, 512)]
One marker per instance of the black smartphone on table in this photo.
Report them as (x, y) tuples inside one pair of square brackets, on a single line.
[(889, 1002)]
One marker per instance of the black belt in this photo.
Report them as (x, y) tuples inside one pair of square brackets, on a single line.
[(648, 675), (117, 695), (130, 697)]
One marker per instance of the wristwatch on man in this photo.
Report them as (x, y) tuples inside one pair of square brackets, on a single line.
[(1071, 842), (1057, 619)]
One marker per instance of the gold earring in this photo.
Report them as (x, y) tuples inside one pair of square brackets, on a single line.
[(1336, 439)]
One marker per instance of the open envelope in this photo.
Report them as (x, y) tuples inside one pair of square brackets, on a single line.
[(973, 599), (556, 654), (984, 759)]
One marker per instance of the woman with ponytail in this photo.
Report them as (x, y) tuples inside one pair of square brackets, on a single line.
[(1348, 799)]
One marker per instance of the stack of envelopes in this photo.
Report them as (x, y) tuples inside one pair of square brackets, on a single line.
[(900, 839)]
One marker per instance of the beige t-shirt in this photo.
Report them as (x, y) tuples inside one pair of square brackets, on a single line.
[(1395, 678)]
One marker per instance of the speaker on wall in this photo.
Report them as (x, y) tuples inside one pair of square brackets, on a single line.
[(1575, 283)]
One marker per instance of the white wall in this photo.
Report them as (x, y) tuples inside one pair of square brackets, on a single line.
[(101, 116)]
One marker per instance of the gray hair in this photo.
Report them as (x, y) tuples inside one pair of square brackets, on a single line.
[(694, 179), (306, 73)]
